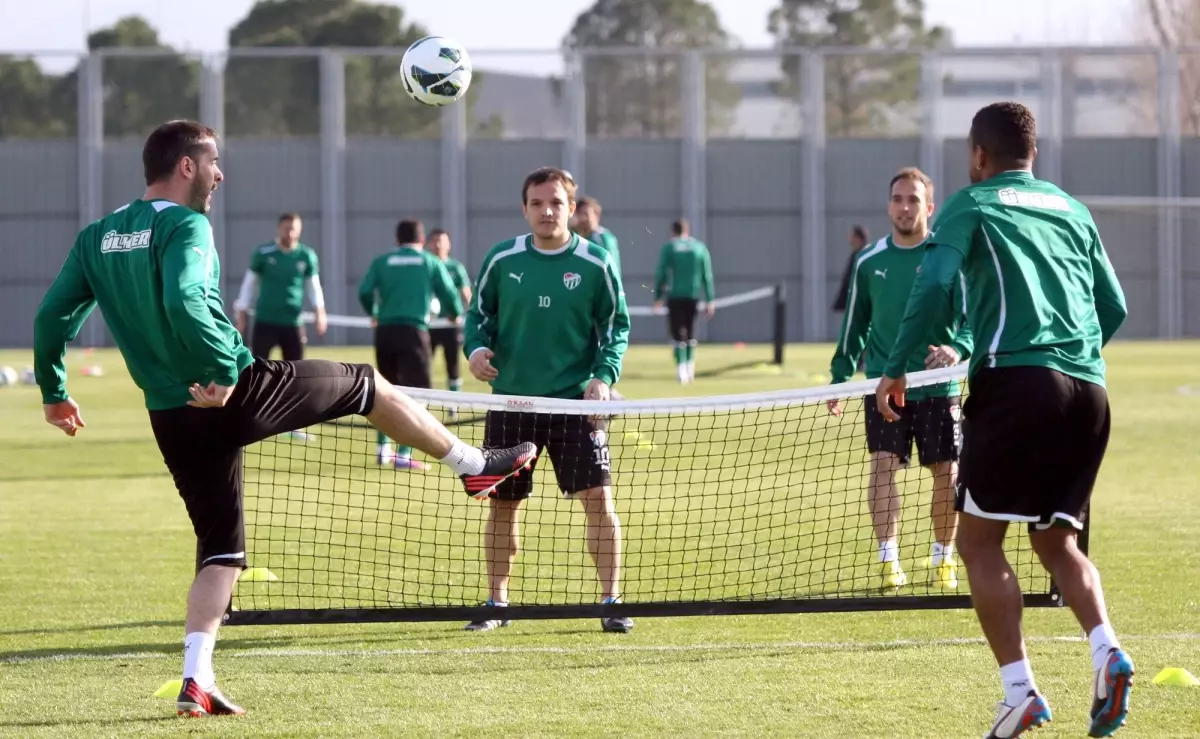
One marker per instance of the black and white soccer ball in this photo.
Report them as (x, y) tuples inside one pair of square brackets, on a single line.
[(436, 70)]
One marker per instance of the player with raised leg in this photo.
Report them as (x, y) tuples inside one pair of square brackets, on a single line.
[(450, 338), (881, 280), (397, 292), (549, 320), (586, 223), (152, 269), (684, 275), (1043, 299)]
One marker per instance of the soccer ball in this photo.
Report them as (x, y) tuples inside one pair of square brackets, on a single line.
[(8, 376), (436, 71)]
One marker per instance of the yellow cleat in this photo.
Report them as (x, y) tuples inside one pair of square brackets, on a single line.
[(893, 576), (944, 576)]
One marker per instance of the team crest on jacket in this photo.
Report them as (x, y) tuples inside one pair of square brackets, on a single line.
[(572, 280)]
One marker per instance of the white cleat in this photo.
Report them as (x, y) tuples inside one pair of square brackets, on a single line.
[(1013, 721)]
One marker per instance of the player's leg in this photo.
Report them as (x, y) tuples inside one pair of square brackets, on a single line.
[(453, 350), (262, 339), (890, 447), (388, 362), (291, 342), (689, 355), (1084, 441), (678, 333), (502, 535), (937, 435), (578, 447), (413, 364), (1006, 430), (208, 476)]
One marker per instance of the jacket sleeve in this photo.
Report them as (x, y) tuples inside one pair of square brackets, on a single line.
[(59, 318)]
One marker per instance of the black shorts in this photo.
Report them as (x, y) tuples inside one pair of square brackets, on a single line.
[(202, 447), (932, 423), (450, 341), (578, 448), (681, 318), (1033, 443), (266, 336), (403, 355)]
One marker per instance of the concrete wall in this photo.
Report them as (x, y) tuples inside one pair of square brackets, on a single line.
[(753, 222)]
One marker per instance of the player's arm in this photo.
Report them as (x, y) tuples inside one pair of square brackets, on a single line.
[(316, 294), (186, 265), (443, 288), (247, 293), (710, 288), (662, 273), (464, 280), (856, 324), (59, 318), (479, 326), (612, 325), (964, 339), (366, 290), (1106, 291)]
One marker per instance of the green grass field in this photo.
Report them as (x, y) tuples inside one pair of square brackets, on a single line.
[(98, 553)]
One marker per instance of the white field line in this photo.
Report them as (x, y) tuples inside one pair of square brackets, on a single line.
[(567, 651)]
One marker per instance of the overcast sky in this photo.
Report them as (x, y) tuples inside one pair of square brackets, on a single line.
[(482, 25)]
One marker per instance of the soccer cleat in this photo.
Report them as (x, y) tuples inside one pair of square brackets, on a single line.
[(302, 435), (498, 466), (385, 456), (1013, 721), (944, 576), (616, 624), (487, 624), (1110, 694), (194, 701), (406, 463), (891, 575)]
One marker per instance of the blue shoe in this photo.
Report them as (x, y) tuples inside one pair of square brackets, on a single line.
[(616, 624), (1110, 691), (488, 624), (1013, 721)]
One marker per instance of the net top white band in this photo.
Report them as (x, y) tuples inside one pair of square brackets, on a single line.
[(669, 406)]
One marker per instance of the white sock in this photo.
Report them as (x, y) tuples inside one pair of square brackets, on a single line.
[(464, 459), (889, 551), (1102, 640), (1017, 679), (197, 659), (942, 553)]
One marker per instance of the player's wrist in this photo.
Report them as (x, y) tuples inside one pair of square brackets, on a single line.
[(476, 350), (604, 375)]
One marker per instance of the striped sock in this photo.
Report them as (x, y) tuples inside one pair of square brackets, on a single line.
[(455, 385), (680, 352)]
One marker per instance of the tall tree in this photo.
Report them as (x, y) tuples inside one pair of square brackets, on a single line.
[(864, 94), (29, 109), (1173, 24), (274, 96), (641, 96)]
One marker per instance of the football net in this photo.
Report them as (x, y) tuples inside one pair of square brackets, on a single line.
[(750, 503)]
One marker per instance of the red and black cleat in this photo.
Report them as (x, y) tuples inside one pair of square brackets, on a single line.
[(498, 466), (195, 701)]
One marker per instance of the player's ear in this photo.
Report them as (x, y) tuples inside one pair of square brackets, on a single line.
[(1033, 155)]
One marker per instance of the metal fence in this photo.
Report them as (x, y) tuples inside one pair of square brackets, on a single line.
[(771, 154)]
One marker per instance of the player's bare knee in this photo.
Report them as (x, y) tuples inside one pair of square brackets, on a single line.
[(1054, 545), (979, 537)]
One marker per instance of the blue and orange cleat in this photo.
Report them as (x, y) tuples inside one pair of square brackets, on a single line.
[(1013, 721), (1110, 694), (194, 701)]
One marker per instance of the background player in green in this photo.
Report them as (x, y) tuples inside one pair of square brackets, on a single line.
[(684, 275), (586, 223), (549, 319), (151, 267), (880, 283), (1042, 300), (280, 271), (397, 292), (450, 338)]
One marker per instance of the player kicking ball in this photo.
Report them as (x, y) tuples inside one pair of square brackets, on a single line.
[(549, 320), (881, 279), (151, 267), (1043, 298), (682, 277)]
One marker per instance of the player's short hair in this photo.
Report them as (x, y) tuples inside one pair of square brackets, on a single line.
[(289, 216), (591, 202), (679, 227), (436, 233), (171, 142), (542, 175), (860, 231), (914, 174), (410, 231), (1007, 132)]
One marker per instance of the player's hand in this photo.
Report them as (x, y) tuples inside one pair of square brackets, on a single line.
[(481, 367), (941, 356), (835, 407), (597, 389), (64, 415), (710, 309), (890, 388), (213, 396), (658, 307), (240, 321), (322, 322)]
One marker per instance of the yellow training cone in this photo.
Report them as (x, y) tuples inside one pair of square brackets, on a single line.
[(1176, 677), (257, 574), (170, 689)]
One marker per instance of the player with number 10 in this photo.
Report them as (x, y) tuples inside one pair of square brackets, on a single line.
[(549, 319)]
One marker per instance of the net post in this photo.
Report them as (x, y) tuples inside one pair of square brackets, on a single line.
[(780, 337)]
